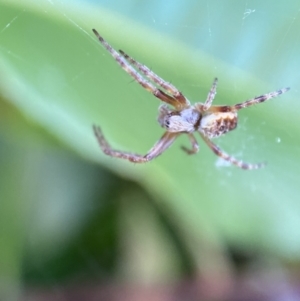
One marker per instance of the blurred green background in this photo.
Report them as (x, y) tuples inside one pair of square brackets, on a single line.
[(75, 222)]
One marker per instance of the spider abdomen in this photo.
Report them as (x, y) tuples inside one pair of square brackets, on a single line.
[(216, 124)]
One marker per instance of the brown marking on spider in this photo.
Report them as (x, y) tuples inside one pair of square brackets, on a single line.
[(209, 121)]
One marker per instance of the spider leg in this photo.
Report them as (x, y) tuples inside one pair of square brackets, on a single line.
[(195, 146), (132, 72), (229, 158), (183, 102), (166, 140), (259, 99), (211, 95), (249, 102)]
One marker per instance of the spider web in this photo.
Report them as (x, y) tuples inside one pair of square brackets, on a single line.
[(252, 47)]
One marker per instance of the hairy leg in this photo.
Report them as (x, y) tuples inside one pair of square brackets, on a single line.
[(166, 140), (121, 60), (195, 146), (182, 101), (248, 103), (211, 95), (229, 158)]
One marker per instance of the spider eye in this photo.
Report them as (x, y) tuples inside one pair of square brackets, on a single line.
[(167, 123)]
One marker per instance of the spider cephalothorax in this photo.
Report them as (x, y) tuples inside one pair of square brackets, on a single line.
[(209, 121)]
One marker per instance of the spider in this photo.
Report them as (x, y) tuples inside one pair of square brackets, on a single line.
[(209, 121)]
